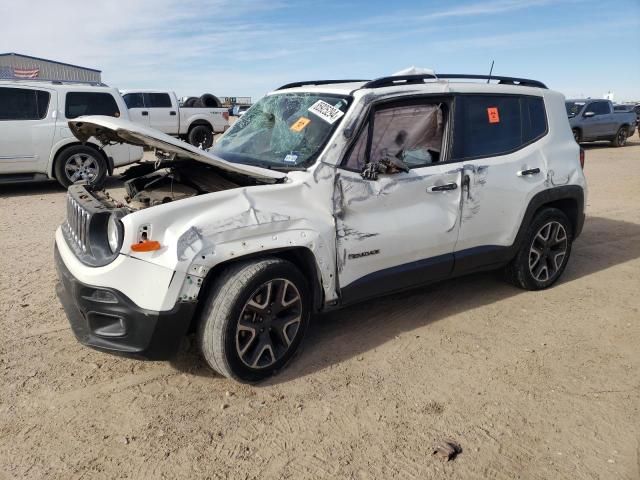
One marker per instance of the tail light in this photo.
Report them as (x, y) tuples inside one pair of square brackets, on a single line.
[(582, 158), (225, 115)]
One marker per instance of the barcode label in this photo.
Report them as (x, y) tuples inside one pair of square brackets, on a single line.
[(326, 111)]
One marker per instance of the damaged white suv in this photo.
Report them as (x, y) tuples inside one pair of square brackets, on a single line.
[(324, 194)]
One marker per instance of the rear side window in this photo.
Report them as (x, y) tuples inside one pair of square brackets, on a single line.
[(90, 103), (23, 104), (133, 100), (490, 125), (534, 119), (157, 100)]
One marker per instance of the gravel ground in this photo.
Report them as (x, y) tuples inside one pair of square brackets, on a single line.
[(530, 384)]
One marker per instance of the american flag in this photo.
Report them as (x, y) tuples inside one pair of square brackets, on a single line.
[(6, 73), (25, 72)]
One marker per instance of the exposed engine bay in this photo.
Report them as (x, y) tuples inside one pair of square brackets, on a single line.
[(148, 184)]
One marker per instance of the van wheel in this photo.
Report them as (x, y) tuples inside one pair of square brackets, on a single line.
[(620, 139), (544, 253), (254, 319), (80, 163), (201, 136)]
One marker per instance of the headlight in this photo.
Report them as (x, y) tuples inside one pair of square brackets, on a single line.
[(114, 233)]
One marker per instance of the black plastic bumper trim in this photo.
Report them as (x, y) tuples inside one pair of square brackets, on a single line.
[(147, 333)]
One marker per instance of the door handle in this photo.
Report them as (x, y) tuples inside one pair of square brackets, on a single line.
[(531, 171), (144, 114), (172, 113), (443, 188)]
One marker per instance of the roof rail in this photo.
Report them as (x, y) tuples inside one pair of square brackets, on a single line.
[(57, 82), (399, 79), (524, 82), (317, 82), (417, 79)]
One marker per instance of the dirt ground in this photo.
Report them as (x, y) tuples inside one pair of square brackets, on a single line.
[(531, 384)]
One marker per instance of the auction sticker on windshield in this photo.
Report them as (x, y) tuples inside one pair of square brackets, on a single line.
[(326, 111)]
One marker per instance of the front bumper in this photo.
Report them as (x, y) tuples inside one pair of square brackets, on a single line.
[(106, 319)]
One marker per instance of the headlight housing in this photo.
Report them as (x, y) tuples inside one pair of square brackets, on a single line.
[(115, 233)]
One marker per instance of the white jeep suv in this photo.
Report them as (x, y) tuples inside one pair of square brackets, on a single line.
[(36, 142), (324, 194)]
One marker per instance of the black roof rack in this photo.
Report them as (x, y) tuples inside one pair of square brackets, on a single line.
[(317, 82), (57, 82), (417, 79)]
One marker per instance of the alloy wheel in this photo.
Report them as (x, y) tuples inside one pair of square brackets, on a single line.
[(269, 323), (622, 137), (81, 166), (548, 251)]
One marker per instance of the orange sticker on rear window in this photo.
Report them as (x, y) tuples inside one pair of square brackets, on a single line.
[(494, 116), (300, 124)]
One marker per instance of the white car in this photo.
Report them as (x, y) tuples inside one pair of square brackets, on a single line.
[(161, 110), (36, 142), (324, 194)]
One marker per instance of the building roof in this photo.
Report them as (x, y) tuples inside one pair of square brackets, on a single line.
[(13, 54)]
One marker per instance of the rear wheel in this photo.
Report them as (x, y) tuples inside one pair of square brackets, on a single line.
[(254, 319), (544, 253), (201, 136), (80, 163), (620, 139)]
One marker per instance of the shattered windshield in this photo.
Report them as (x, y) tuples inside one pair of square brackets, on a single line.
[(573, 108), (283, 131)]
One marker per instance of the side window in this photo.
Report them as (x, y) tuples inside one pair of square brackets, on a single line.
[(133, 100), (599, 108), (90, 103), (534, 119), (157, 100), (486, 125), (23, 104), (413, 133)]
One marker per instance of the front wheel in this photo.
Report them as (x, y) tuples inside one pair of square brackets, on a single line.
[(201, 136), (544, 253), (620, 139), (80, 163), (254, 319), (576, 135)]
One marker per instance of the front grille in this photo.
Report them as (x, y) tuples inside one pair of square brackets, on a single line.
[(78, 224)]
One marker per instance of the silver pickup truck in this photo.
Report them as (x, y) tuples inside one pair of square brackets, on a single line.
[(593, 119)]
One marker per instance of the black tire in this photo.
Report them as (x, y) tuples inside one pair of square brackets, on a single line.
[(576, 135), (201, 136), (620, 140), (209, 101), (239, 350), (523, 271), (190, 102), (80, 163)]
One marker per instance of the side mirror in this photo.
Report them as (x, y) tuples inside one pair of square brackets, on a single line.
[(588, 114)]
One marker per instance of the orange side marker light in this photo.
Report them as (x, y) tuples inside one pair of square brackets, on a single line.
[(146, 246)]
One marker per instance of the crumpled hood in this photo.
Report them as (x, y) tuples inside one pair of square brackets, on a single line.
[(110, 129)]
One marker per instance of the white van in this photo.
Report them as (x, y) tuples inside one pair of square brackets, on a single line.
[(36, 142)]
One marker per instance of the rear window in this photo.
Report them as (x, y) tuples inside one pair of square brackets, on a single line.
[(23, 104), (90, 103), (490, 125), (133, 100), (157, 100)]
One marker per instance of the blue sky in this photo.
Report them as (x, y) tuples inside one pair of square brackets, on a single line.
[(248, 47)]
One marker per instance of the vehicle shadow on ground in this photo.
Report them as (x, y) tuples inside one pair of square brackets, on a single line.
[(44, 187), (631, 142), (338, 336)]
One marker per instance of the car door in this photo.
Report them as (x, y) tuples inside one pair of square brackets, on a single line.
[(163, 115), (400, 229), (138, 112), (495, 139), (27, 127), (597, 124)]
